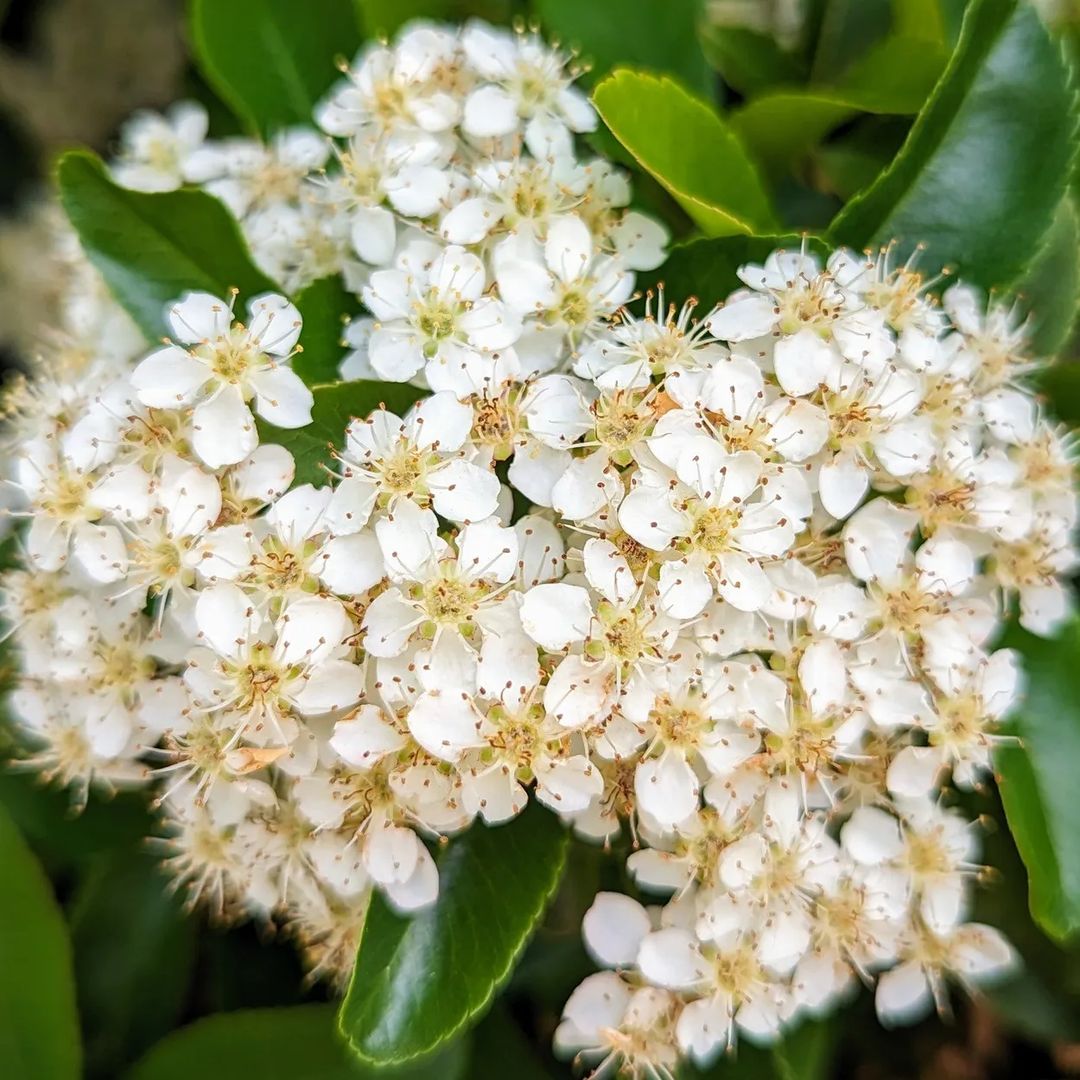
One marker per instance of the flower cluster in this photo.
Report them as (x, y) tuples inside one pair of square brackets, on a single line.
[(749, 619)]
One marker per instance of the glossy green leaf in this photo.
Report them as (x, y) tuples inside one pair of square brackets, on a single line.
[(707, 268), (1059, 385), (681, 141), (920, 19), (420, 980), (384, 17), (272, 60), (848, 28), (335, 405), (985, 165), (133, 944), (151, 248), (294, 1043), (656, 35), (894, 80), (1037, 780), (1050, 287), (850, 162), (325, 306), (748, 61), (39, 1027)]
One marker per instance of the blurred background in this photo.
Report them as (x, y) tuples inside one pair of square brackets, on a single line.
[(70, 72)]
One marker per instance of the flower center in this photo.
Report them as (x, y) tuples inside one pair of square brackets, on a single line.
[(450, 601), (679, 723), (624, 636), (926, 856), (712, 529), (231, 357), (621, 423), (808, 305)]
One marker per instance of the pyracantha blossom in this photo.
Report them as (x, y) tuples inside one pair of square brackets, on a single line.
[(728, 576)]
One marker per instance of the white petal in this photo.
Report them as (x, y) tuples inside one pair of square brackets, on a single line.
[(275, 324), (374, 234), (282, 398), (389, 622), (803, 362), (556, 615), (445, 724), (366, 738), (100, 551), (903, 994), (746, 315), (667, 788), (872, 836), (226, 618), (198, 316), (578, 693), (310, 629), (169, 378), (842, 484), (351, 564), (224, 429), (462, 491), (670, 958), (489, 111), (614, 928), (608, 571)]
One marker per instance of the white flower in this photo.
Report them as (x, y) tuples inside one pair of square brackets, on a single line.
[(973, 954), (154, 148), (727, 514), (260, 678), (251, 178), (566, 283), (396, 91), (437, 592), (224, 366), (526, 85), (635, 350), (422, 458), (431, 314)]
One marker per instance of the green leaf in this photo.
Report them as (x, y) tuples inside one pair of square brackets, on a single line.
[(1050, 287), (325, 306), (294, 1043), (1037, 780), (60, 837), (1060, 385), (151, 248), (893, 80), (657, 35), (420, 980), (748, 61), (920, 19), (335, 405), (847, 30), (807, 1052), (848, 163), (133, 944), (680, 140), (39, 1027), (986, 163), (271, 60), (384, 17), (498, 1040), (707, 268)]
